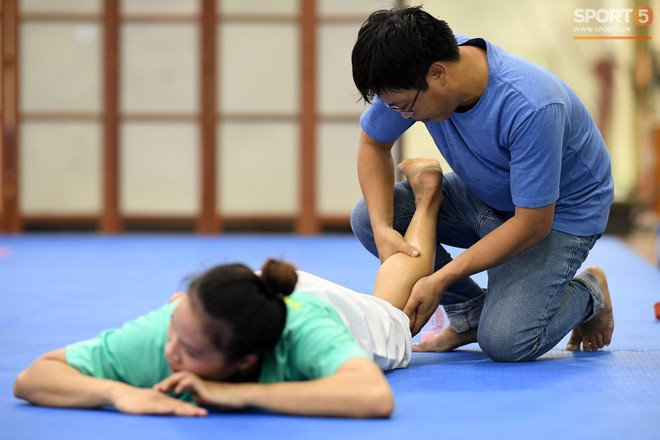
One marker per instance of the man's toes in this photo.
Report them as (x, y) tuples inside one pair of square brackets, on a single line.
[(573, 343), (573, 346)]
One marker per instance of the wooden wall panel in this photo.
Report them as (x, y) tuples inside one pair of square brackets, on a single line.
[(159, 68), (191, 89), (336, 181), (61, 67), (10, 221), (255, 174), (259, 75), (60, 168), (159, 168)]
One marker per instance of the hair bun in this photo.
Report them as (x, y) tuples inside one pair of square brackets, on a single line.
[(279, 277)]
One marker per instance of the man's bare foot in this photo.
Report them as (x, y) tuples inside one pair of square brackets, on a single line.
[(447, 340), (424, 175), (597, 332)]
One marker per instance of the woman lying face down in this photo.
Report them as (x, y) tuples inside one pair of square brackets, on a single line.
[(235, 340)]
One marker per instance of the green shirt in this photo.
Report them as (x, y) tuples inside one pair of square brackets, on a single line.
[(315, 343)]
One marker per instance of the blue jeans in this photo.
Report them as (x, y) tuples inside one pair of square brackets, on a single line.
[(531, 302)]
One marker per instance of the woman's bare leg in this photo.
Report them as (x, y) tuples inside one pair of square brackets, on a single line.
[(399, 273)]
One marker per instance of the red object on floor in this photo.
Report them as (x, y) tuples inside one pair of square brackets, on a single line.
[(657, 310)]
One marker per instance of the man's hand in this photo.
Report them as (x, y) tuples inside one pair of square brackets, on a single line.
[(424, 300), (133, 400), (390, 242)]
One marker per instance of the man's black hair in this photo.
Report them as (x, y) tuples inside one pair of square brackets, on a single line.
[(395, 49)]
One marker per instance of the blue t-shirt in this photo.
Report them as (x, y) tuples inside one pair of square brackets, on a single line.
[(528, 142)]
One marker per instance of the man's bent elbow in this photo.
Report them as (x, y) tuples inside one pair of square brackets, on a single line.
[(542, 232)]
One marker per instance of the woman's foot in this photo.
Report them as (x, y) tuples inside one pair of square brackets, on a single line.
[(597, 332), (424, 176), (447, 340)]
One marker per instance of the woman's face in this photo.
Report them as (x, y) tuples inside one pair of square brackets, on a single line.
[(190, 349)]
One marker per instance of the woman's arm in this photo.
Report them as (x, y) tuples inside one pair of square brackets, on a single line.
[(50, 381), (357, 389)]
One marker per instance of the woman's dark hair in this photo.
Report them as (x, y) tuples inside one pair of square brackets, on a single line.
[(244, 312), (395, 49)]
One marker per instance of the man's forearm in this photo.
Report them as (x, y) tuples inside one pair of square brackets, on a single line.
[(501, 245), (376, 176)]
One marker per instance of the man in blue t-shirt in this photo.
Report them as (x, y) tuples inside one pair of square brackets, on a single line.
[(528, 197)]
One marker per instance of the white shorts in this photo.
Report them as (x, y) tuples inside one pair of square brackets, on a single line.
[(382, 330)]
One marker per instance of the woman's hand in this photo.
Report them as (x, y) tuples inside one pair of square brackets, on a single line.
[(220, 394), (357, 389), (133, 400)]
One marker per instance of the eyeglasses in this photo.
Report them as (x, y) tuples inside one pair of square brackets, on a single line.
[(410, 110)]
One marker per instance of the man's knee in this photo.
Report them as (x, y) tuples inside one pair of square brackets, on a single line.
[(361, 226), (360, 223), (360, 214), (506, 345)]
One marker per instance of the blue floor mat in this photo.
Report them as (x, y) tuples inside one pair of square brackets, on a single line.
[(60, 288)]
